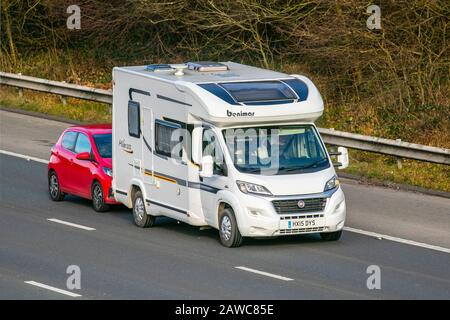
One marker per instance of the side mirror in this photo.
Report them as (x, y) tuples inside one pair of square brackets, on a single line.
[(207, 167), (342, 158), (84, 156), (196, 142)]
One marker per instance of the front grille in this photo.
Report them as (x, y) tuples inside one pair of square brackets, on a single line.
[(303, 230), (291, 206), (302, 217)]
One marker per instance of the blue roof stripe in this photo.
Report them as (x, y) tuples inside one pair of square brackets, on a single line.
[(300, 88), (219, 92)]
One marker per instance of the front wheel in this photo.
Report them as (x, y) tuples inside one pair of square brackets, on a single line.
[(141, 218), (98, 199), (228, 229), (54, 188), (331, 236)]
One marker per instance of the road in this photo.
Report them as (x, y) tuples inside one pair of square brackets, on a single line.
[(177, 261)]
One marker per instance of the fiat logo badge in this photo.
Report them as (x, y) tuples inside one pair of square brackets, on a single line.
[(301, 204)]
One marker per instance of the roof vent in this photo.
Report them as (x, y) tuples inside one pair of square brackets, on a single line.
[(207, 66), (179, 69), (159, 67)]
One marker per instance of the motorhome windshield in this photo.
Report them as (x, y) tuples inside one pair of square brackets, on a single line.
[(276, 149)]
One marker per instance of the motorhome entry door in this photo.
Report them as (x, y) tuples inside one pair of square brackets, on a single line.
[(147, 145)]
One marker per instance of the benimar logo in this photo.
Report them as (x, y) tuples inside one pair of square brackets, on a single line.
[(240, 114)]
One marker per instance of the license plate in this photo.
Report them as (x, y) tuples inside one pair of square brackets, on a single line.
[(302, 223)]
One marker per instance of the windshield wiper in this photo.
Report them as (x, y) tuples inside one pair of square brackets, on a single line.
[(251, 169), (288, 169)]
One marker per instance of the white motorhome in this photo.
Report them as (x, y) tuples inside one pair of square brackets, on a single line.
[(224, 145)]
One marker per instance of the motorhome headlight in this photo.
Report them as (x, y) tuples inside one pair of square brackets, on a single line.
[(247, 187), (332, 183), (107, 171)]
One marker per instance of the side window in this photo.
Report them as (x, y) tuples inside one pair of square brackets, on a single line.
[(83, 144), (168, 139), (68, 140), (134, 119), (211, 147)]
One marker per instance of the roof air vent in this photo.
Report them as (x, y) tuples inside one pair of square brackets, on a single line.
[(207, 66), (179, 69)]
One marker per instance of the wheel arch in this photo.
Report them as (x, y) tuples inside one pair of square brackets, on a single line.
[(229, 200)]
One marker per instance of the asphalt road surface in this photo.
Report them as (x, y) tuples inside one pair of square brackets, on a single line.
[(405, 234)]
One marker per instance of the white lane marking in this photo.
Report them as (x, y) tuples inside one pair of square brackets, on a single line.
[(400, 240), (28, 158), (71, 224), (44, 286), (267, 274)]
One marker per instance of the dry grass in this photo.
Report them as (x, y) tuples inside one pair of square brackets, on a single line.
[(75, 109)]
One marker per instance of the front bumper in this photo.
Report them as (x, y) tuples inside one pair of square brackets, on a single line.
[(258, 217)]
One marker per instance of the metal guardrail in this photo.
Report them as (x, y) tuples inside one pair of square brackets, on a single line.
[(330, 136), (56, 87), (386, 146)]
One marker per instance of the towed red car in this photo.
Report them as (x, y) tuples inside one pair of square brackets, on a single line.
[(80, 164)]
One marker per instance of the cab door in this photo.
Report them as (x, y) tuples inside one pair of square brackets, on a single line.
[(211, 186)]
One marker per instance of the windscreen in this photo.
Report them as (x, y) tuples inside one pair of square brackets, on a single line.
[(103, 142), (276, 150)]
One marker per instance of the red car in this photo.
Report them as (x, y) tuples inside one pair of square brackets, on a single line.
[(80, 164)]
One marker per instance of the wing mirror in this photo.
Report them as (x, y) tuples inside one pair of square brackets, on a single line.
[(342, 158), (84, 156), (207, 167)]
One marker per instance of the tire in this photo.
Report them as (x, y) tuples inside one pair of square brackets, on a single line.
[(331, 236), (54, 189), (228, 229), (98, 198), (140, 216)]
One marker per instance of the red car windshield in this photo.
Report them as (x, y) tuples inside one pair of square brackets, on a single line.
[(104, 144)]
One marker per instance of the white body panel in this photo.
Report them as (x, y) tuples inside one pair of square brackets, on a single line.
[(174, 188)]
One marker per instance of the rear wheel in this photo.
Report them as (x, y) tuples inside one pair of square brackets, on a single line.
[(141, 218), (331, 236), (54, 189), (228, 230), (98, 199)]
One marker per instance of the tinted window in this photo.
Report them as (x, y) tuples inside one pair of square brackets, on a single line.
[(103, 142), (68, 140), (133, 119), (83, 144), (166, 138), (259, 91)]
